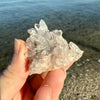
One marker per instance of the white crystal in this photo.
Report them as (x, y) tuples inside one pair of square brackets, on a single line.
[(48, 50)]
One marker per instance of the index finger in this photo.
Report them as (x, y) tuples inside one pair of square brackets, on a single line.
[(55, 81)]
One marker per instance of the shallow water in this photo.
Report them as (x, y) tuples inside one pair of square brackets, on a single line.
[(23, 9), (79, 20)]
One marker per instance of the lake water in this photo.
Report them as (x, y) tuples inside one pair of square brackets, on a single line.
[(79, 20), (23, 9)]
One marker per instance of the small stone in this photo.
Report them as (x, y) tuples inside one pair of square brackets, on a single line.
[(87, 60), (83, 62), (79, 64), (81, 74), (87, 70), (99, 60)]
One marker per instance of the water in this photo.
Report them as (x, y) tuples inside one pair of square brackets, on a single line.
[(79, 20), (18, 9)]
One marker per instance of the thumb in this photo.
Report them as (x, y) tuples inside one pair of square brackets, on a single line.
[(14, 77)]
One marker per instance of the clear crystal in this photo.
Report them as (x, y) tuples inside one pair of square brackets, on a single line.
[(48, 50)]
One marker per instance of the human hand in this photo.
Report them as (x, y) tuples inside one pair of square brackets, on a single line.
[(16, 84)]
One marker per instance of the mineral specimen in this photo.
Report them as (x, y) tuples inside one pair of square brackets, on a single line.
[(48, 50)]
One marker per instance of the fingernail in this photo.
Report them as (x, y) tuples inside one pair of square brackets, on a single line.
[(44, 91), (16, 46), (64, 72), (44, 74)]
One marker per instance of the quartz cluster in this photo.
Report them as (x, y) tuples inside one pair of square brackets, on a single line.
[(48, 50)]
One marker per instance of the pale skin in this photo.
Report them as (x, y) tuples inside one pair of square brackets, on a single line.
[(15, 83)]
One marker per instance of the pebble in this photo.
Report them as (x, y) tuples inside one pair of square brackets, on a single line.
[(87, 70), (81, 74), (99, 60), (83, 62), (73, 76), (87, 59), (79, 64)]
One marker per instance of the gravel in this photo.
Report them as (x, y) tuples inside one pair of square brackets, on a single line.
[(82, 81)]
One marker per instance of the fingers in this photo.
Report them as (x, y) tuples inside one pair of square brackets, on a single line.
[(14, 77), (35, 82), (43, 93), (19, 56), (19, 63), (27, 92), (55, 81)]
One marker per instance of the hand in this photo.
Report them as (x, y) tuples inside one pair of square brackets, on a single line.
[(15, 83)]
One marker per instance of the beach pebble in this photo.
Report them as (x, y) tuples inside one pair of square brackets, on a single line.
[(99, 60), (87, 60), (79, 64)]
